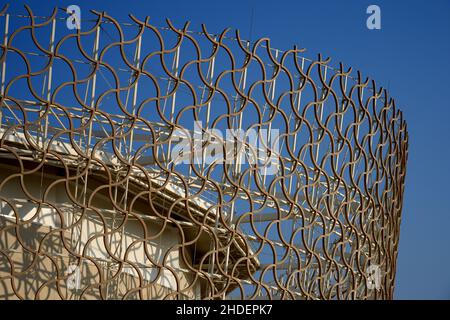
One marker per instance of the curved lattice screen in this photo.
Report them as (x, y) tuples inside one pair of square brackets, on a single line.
[(161, 163)]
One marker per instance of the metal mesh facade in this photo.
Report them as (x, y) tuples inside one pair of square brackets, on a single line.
[(95, 206)]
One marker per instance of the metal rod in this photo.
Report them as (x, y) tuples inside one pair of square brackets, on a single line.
[(5, 48), (49, 82)]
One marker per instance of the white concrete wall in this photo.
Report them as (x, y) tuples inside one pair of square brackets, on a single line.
[(94, 226)]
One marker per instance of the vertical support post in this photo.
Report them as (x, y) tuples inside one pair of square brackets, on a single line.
[(137, 58), (2, 88), (357, 128), (315, 193), (208, 107), (299, 98), (174, 97), (316, 157), (92, 105), (341, 123), (370, 211), (294, 219), (337, 157), (211, 76), (208, 114), (237, 168), (272, 96), (88, 142), (49, 82), (94, 83), (3, 78), (244, 82)]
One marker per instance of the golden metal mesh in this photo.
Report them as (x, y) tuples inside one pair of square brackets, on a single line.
[(94, 205)]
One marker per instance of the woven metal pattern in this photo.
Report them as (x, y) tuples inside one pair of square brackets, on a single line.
[(95, 205)]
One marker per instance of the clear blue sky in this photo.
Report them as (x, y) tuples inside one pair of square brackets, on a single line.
[(410, 55)]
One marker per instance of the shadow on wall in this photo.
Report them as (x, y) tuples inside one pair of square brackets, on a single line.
[(26, 274)]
